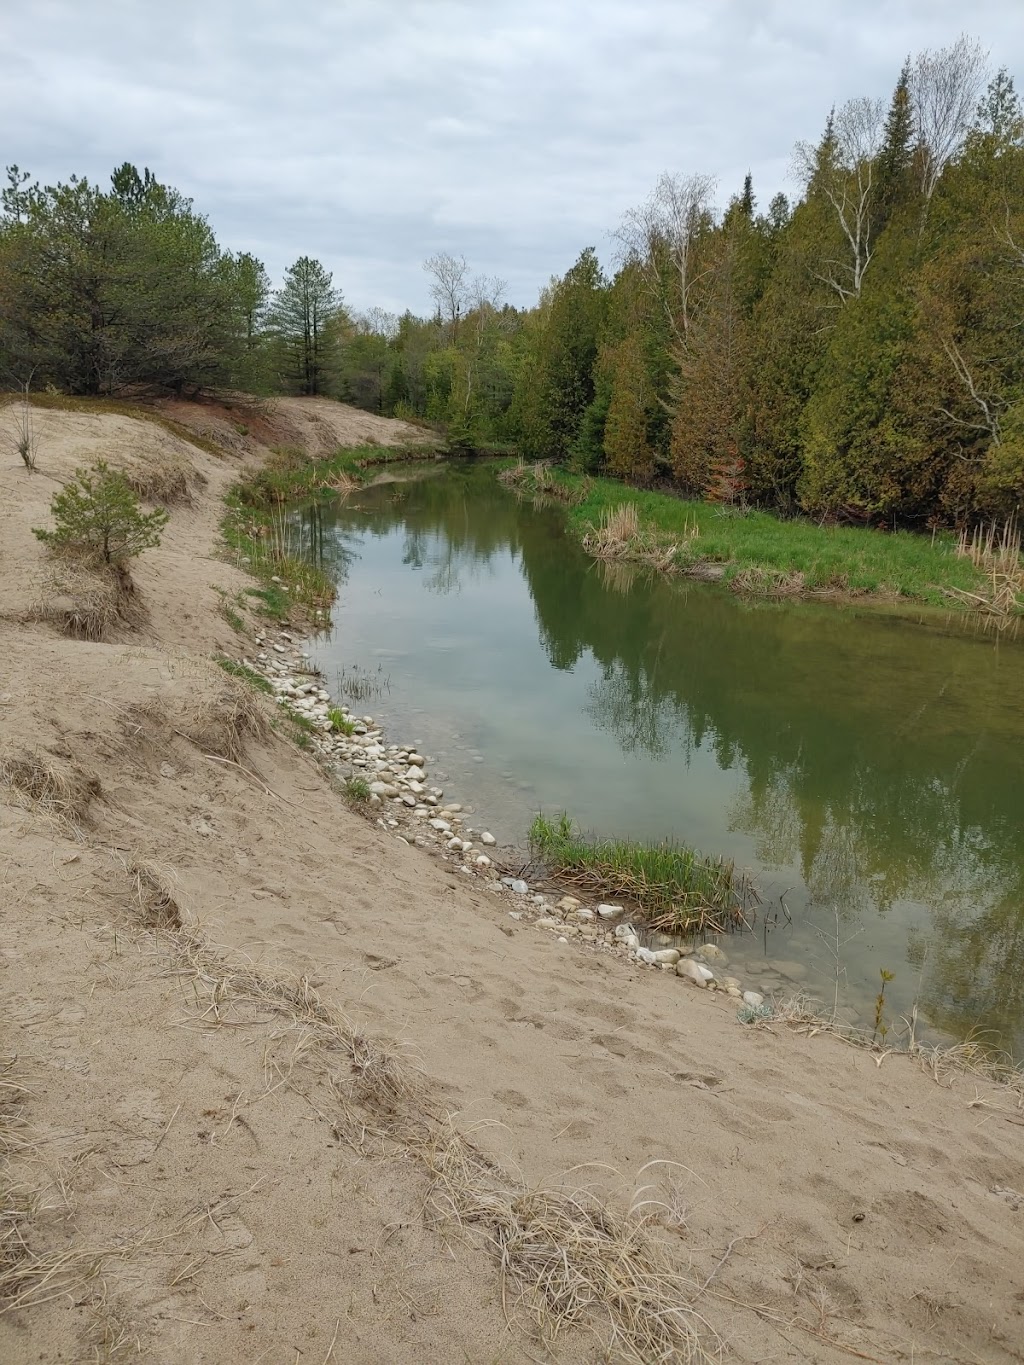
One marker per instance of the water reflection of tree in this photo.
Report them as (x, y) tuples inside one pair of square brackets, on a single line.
[(885, 762)]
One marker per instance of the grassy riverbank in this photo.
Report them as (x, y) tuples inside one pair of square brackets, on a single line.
[(757, 553), (677, 889)]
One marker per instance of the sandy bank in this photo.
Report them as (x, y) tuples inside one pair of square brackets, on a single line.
[(258, 1037)]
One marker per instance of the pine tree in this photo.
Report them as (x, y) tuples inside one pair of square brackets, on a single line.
[(303, 309)]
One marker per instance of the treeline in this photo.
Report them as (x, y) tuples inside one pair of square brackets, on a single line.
[(857, 354)]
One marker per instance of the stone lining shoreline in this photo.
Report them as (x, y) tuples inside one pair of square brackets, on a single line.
[(417, 814)]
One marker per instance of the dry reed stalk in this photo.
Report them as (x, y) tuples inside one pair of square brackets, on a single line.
[(86, 600), (218, 714), (622, 535), (997, 552)]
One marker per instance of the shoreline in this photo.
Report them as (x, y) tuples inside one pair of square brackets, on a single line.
[(285, 1079)]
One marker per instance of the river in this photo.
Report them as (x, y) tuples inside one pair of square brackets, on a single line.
[(867, 767)]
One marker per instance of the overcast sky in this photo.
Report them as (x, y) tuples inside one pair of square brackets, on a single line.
[(371, 134)]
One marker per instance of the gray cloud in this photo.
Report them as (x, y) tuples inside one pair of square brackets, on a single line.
[(372, 134)]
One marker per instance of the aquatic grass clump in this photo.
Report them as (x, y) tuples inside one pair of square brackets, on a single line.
[(676, 888)]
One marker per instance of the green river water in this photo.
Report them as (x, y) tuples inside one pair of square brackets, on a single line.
[(867, 768)]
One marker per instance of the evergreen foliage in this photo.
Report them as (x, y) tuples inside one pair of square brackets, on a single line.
[(854, 355), (98, 516)]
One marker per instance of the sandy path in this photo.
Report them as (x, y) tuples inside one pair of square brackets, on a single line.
[(199, 1142)]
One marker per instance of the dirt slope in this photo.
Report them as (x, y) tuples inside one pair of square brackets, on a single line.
[(219, 1156)]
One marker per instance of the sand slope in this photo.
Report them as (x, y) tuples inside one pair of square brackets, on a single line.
[(250, 1184)]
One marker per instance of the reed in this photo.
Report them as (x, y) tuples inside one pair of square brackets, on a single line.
[(676, 888)]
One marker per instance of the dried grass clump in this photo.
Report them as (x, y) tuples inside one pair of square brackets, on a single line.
[(622, 535), (171, 479), (86, 601), (60, 790), (759, 580), (217, 715), (156, 894), (566, 1260), (997, 553), (27, 1277)]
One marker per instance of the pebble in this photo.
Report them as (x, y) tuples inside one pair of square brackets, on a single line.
[(610, 911), (567, 903), (487, 838), (517, 885), (442, 826), (482, 860), (546, 922), (414, 774), (753, 998), (417, 760), (584, 915)]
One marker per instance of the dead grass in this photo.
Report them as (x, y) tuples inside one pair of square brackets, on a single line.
[(997, 553), (218, 715), (173, 480), (86, 601), (622, 535), (57, 789), (763, 581), (156, 893), (566, 1260)]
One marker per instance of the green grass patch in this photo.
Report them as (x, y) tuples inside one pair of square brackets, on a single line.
[(290, 474), (356, 790), (757, 553), (340, 723), (247, 674), (266, 544), (677, 889)]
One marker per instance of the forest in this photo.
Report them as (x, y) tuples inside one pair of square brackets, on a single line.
[(853, 355)]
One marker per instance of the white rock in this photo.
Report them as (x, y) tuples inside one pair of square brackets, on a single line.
[(441, 825), (414, 774), (455, 844), (383, 789), (567, 903), (487, 838), (418, 759), (517, 885), (408, 799), (645, 955), (610, 911), (482, 860), (670, 956), (691, 971), (753, 998), (631, 941), (584, 915), (546, 922)]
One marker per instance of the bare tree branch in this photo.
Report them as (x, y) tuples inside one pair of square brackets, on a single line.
[(945, 86)]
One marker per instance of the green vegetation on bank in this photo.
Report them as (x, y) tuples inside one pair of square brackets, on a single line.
[(675, 888), (852, 355), (757, 552)]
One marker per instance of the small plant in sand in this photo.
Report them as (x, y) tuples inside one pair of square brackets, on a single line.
[(99, 517), (881, 1027), (25, 441), (356, 790), (340, 723)]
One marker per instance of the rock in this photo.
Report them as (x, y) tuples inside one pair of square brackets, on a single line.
[(567, 903), (734, 991), (711, 952), (584, 915), (487, 838), (792, 971), (645, 955), (414, 774), (546, 922), (417, 787), (515, 884), (417, 759), (408, 799), (482, 860), (279, 649), (670, 956), (442, 826), (454, 844), (753, 998), (454, 807), (383, 789), (610, 911), (691, 971), (732, 983)]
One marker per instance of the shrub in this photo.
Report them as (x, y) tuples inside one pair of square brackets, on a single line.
[(98, 516)]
